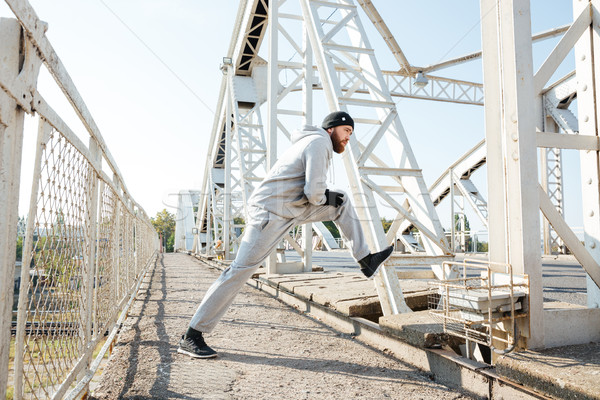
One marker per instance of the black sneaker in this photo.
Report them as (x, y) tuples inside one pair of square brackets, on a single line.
[(195, 347), (371, 263)]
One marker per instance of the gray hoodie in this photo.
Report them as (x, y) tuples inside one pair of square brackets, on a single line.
[(298, 177)]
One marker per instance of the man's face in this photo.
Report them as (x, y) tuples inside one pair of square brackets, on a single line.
[(340, 135)]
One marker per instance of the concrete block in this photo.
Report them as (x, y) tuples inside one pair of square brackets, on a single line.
[(569, 324), (570, 372), (417, 328)]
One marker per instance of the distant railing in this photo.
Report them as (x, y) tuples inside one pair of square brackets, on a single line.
[(87, 243)]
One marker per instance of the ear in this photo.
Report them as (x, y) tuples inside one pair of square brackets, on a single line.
[(330, 130)]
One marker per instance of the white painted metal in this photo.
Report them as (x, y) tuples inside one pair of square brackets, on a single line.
[(36, 34), (438, 88), (588, 89), (566, 43), (463, 168), (11, 144), (44, 130), (452, 214), (345, 88), (377, 20), (512, 159), (227, 202), (556, 101), (247, 149), (184, 219), (90, 259), (23, 47), (272, 95), (307, 91), (588, 262), (472, 56), (391, 300), (402, 85), (475, 199), (204, 214), (326, 236), (333, 51)]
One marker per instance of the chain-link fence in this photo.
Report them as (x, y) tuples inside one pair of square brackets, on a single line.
[(87, 243)]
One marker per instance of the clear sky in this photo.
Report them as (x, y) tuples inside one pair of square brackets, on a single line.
[(148, 71)]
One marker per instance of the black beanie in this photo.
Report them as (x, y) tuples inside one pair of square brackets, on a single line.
[(337, 118)]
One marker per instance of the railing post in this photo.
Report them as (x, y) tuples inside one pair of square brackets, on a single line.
[(115, 246), (90, 262), (44, 131), (11, 144)]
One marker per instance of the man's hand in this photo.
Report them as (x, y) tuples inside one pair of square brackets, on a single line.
[(333, 198)]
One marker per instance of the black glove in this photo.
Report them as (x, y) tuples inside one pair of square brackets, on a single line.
[(333, 198)]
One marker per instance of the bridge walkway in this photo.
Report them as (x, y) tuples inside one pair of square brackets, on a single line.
[(266, 350)]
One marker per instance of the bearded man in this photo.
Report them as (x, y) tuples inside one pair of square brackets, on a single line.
[(294, 192)]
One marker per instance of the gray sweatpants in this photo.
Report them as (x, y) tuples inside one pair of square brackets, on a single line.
[(262, 233)]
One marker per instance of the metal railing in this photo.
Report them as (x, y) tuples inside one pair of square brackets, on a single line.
[(87, 243), (482, 304)]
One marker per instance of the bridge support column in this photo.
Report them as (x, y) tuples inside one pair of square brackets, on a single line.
[(588, 87), (514, 222)]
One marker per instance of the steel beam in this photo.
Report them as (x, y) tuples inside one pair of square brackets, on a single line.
[(513, 202), (587, 49)]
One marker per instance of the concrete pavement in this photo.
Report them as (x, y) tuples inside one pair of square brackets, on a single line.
[(266, 350)]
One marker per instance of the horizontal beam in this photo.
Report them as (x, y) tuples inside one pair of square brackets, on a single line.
[(390, 171), (401, 84), (564, 141)]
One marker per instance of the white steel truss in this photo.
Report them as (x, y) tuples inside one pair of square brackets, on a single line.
[(351, 81), (520, 116), (456, 176), (400, 83), (346, 70), (588, 88), (558, 118), (339, 43), (185, 222)]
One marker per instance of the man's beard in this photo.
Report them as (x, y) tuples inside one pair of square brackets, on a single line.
[(338, 147)]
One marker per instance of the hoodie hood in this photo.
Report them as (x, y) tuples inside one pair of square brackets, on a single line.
[(309, 130), (298, 178)]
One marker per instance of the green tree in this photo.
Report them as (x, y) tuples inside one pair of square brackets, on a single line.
[(332, 228), (19, 248), (457, 228), (386, 224), (164, 223), (482, 247), (457, 223)]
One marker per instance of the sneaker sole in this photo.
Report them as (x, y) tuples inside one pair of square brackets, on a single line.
[(379, 267), (194, 355)]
